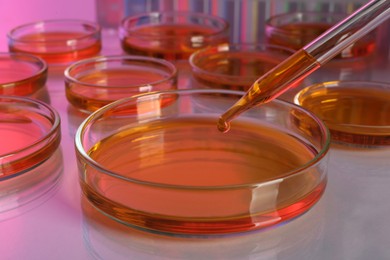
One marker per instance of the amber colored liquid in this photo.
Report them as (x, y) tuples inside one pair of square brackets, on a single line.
[(115, 83), (189, 152), (170, 42), (58, 47), (17, 78), (354, 115), (296, 36), (245, 67), (271, 85), (19, 130)]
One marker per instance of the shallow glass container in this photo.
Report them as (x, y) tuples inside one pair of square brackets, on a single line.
[(21, 74), (29, 134), (58, 42), (356, 112), (234, 66), (158, 163), (296, 29), (171, 35), (93, 83)]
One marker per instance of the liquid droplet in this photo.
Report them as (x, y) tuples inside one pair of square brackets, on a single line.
[(223, 126)]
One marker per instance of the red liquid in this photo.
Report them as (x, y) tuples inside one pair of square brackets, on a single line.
[(20, 78), (170, 42), (58, 47)]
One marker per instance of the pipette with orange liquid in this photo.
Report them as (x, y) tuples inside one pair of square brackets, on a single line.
[(309, 58)]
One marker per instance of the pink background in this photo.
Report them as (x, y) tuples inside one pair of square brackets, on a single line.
[(17, 12)]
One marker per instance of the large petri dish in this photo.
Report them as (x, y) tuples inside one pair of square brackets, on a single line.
[(157, 162)]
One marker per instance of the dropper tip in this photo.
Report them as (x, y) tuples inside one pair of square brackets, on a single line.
[(223, 126)]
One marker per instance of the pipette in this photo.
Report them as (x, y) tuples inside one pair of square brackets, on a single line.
[(309, 58)]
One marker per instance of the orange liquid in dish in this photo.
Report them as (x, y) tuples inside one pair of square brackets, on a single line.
[(190, 152), (114, 83), (20, 130), (17, 78), (245, 67), (170, 42), (58, 47), (296, 36), (354, 115)]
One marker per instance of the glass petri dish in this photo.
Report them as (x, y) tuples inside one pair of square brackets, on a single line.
[(234, 66), (57, 41), (171, 35), (296, 29), (96, 82), (21, 74), (356, 112), (164, 167), (29, 134)]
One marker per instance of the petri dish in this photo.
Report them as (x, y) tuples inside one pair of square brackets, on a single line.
[(21, 74), (29, 134), (171, 35), (93, 83), (356, 112), (296, 29), (234, 66), (165, 167), (58, 42)]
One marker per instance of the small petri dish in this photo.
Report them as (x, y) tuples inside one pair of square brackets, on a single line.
[(29, 134), (58, 42), (296, 29), (167, 169), (27, 191), (234, 66), (356, 112), (21, 74), (96, 82), (171, 35)]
